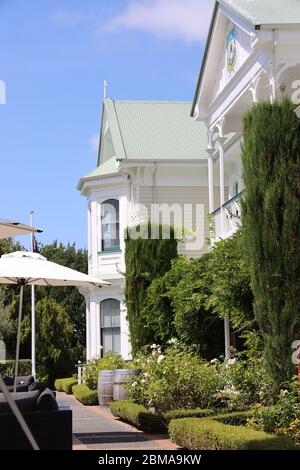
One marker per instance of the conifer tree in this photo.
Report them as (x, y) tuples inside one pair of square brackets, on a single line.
[(271, 220), (145, 259)]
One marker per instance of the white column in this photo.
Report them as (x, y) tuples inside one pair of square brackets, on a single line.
[(94, 325), (222, 201), (88, 328), (211, 180), (138, 194), (222, 181), (125, 339), (94, 237), (227, 338)]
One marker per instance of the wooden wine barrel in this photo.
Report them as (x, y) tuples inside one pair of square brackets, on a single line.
[(122, 376), (106, 386)]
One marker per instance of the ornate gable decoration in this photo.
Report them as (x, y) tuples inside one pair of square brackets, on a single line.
[(231, 54)]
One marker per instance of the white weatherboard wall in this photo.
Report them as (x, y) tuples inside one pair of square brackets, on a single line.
[(173, 184)]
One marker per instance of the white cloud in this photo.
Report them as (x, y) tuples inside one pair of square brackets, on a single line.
[(94, 142), (186, 20), (69, 18)]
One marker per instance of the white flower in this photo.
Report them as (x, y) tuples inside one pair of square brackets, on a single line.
[(230, 362), (284, 393), (146, 374), (160, 359), (153, 346), (134, 384), (172, 341), (143, 381), (229, 391), (214, 361)]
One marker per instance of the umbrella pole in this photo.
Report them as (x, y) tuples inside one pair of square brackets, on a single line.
[(18, 337), (18, 414)]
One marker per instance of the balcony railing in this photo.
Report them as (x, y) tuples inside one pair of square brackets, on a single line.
[(227, 218)]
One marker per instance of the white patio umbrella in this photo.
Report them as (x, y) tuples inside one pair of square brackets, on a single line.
[(26, 268), (9, 228)]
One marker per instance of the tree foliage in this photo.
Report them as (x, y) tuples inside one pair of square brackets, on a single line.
[(271, 220), (190, 300), (230, 284), (53, 341), (68, 298), (145, 259)]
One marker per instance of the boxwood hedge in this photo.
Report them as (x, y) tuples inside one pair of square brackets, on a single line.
[(138, 416), (211, 434), (192, 413), (85, 395), (65, 385)]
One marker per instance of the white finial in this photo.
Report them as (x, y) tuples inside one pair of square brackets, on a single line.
[(105, 89)]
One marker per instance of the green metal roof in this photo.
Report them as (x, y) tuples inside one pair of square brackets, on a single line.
[(105, 169), (155, 130), (266, 12)]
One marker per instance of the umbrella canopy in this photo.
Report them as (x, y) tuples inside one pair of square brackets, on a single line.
[(22, 267), (9, 228)]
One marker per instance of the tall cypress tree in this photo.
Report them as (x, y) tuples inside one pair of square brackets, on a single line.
[(145, 259), (271, 220)]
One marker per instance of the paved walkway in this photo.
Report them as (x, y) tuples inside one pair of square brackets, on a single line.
[(95, 428)]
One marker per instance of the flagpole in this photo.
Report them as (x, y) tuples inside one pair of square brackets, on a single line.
[(33, 371)]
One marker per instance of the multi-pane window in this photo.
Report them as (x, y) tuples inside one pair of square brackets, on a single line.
[(110, 225), (110, 326)]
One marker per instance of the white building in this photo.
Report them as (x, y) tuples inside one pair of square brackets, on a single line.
[(149, 153), (252, 54)]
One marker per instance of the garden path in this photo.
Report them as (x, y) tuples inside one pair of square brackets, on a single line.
[(95, 428)]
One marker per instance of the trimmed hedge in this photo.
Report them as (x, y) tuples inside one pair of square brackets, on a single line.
[(85, 395), (65, 385), (210, 434), (192, 413), (138, 416), (7, 367), (237, 418)]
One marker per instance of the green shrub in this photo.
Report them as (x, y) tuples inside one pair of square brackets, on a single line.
[(283, 418), (7, 367), (65, 385), (246, 380), (176, 379), (92, 368), (238, 418), (192, 413), (58, 385), (209, 434), (137, 415), (85, 395)]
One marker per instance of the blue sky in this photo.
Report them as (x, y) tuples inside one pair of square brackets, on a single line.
[(55, 55)]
